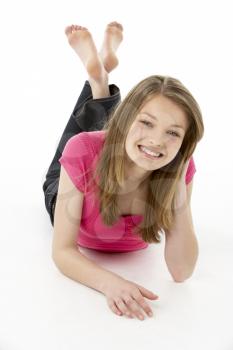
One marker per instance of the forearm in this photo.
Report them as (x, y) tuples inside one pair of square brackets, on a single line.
[(181, 249), (73, 264)]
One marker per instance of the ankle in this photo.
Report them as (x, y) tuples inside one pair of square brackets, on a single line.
[(100, 89)]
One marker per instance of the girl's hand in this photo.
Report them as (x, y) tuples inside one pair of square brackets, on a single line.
[(181, 192), (186, 164), (125, 297)]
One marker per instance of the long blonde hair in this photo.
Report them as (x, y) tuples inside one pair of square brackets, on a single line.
[(159, 208)]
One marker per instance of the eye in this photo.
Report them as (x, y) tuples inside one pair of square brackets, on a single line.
[(173, 133), (145, 122)]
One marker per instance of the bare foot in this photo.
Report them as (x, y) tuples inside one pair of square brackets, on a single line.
[(80, 39), (112, 38)]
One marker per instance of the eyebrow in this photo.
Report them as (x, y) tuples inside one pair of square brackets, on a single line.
[(154, 117)]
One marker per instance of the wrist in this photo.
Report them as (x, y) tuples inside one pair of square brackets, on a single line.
[(109, 282)]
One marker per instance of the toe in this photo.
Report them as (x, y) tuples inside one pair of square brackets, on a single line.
[(119, 26), (112, 24), (78, 27), (115, 24), (68, 30)]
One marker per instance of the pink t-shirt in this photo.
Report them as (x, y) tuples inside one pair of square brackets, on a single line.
[(79, 159)]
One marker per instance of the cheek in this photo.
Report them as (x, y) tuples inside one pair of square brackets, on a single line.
[(132, 136), (174, 142), (136, 135), (173, 147)]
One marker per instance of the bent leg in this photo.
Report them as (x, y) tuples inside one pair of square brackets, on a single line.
[(88, 115)]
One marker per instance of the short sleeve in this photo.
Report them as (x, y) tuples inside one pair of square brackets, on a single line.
[(190, 171), (76, 158)]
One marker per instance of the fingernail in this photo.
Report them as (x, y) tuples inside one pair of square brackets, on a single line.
[(150, 314)]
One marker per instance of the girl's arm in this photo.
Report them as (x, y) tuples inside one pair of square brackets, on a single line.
[(123, 296), (65, 253), (73, 264), (181, 246)]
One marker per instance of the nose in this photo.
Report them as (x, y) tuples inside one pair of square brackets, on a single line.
[(156, 140)]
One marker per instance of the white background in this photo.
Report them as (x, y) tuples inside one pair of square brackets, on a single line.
[(41, 78)]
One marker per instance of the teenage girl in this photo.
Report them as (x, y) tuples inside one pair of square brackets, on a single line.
[(122, 174)]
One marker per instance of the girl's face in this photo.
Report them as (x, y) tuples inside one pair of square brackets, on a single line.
[(154, 128)]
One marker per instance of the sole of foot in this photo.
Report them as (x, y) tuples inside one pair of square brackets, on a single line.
[(113, 36), (80, 39)]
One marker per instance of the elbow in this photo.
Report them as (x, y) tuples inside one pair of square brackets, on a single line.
[(183, 273), (57, 254), (182, 276), (59, 263), (55, 261), (54, 255), (57, 258), (62, 257), (179, 279)]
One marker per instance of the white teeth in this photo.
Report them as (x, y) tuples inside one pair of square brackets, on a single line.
[(149, 152)]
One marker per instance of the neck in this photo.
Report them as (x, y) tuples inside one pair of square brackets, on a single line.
[(134, 178), (131, 185)]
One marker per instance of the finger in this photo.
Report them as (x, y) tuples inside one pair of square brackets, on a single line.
[(134, 307), (114, 308), (147, 293), (146, 308), (186, 165), (123, 307)]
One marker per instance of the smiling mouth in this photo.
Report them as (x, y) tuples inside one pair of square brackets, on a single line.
[(149, 155)]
